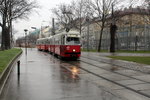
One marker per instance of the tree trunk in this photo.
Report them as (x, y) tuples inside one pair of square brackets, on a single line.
[(3, 38), (7, 38), (100, 38), (5, 29), (113, 29), (3, 33)]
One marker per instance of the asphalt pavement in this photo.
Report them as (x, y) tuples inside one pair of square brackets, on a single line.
[(43, 77)]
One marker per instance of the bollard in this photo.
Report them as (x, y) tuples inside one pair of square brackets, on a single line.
[(18, 63)]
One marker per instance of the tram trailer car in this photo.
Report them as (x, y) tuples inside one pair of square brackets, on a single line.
[(42, 44), (39, 44), (65, 44)]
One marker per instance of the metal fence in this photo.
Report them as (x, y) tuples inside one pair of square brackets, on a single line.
[(127, 38)]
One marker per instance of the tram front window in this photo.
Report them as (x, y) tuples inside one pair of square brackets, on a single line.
[(73, 41)]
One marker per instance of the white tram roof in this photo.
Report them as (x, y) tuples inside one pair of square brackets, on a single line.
[(70, 32), (40, 38), (61, 33), (44, 38)]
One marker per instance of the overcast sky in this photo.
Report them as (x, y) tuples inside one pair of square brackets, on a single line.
[(36, 20)]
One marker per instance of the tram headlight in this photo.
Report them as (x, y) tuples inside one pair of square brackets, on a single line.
[(74, 50)]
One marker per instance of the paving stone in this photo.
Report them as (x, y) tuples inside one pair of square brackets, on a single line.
[(140, 86), (115, 77), (107, 84), (90, 77), (143, 77), (129, 72), (130, 82), (130, 95), (146, 92)]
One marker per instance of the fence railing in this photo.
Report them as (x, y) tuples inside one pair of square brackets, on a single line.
[(137, 39)]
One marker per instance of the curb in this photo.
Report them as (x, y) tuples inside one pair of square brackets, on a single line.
[(5, 74)]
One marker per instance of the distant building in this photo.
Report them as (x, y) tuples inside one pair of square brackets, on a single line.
[(45, 32), (36, 32)]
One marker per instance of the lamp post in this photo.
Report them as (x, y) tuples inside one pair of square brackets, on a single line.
[(25, 30), (33, 28), (53, 26), (136, 40), (87, 19), (34, 37)]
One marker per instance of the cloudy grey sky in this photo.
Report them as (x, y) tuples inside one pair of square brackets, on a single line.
[(36, 20), (44, 14)]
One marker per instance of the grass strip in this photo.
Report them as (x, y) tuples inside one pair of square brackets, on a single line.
[(117, 51), (6, 56), (127, 51), (138, 59)]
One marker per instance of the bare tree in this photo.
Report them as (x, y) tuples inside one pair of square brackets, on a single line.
[(146, 8), (72, 15), (79, 12), (105, 9), (102, 11), (65, 16), (147, 2), (80, 9), (114, 17), (12, 10)]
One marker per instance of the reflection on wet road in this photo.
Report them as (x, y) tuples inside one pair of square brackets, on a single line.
[(44, 77)]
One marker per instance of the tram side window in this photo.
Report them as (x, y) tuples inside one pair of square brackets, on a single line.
[(57, 42), (73, 41), (47, 42)]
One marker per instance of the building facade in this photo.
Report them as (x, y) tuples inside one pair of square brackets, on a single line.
[(133, 31)]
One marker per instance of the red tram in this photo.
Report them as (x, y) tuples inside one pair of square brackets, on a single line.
[(65, 44)]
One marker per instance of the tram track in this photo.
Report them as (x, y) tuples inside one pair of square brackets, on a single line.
[(116, 72), (110, 80), (75, 63), (142, 70)]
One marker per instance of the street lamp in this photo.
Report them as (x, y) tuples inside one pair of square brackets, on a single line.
[(136, 40), (25, 30), (33, 28), (33, 40), (53, 26), (87, 20)]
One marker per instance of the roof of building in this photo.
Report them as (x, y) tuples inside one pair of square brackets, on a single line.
[(124, 12), (36, 31)]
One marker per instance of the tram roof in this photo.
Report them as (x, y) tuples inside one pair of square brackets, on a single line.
[(61, 33), (70, 32)]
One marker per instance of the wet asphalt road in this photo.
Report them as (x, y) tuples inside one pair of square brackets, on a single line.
[(44, 77)]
